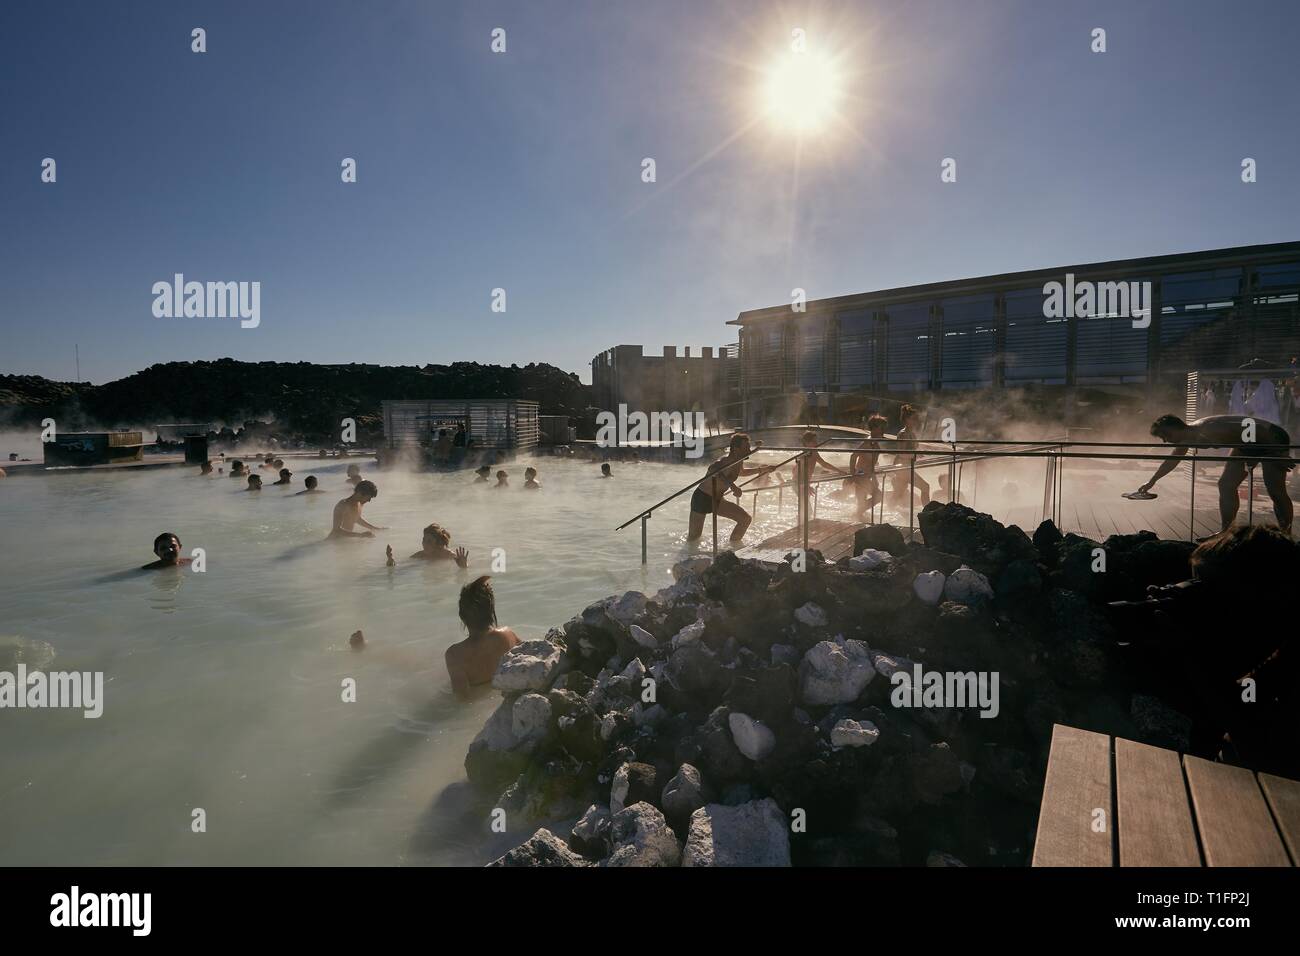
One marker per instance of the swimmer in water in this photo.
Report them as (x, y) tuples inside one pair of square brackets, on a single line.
[(347, 513), (474, 660), (605, 472), (311, 486), (286, 477), (254, 483), (484, 472), (205, 469), (237, 469), (530, 479), (168, 548), (354, 474), (502, 481), (436, 546)]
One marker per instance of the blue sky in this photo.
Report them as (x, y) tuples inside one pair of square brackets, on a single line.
[(522, 170)]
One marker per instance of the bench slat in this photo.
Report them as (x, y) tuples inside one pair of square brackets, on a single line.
[(1152, 813), (1236, 827), (1078, 781), (1283, 797)]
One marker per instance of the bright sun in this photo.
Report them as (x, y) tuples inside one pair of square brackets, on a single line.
[(801, 92)]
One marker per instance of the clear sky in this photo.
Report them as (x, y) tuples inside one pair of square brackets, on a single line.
[(523, 170)]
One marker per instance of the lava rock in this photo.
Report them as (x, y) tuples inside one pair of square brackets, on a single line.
[(633, 783), (879, 537), (640, 836), (684, 794), (543, 848)]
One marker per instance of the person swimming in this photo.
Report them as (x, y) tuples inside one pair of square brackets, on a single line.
[(347, 513), (237, 469), (474, 660), (168, 548), (530, 479), (436, 546), (205, 469), (605, 472), (311, 483), (484, 472), (354, 474), (286, 477), (254, 483), (502, 479)]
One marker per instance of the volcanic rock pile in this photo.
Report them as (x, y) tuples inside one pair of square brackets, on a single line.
[(747, 714)]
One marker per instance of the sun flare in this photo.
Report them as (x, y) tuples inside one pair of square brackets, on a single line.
[(801, 92)]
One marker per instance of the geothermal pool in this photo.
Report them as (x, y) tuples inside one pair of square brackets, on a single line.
[(222, 689)]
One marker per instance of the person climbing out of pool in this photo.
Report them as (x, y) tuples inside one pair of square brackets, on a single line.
[(811, 461), (605, 472), (474, 660), (502, 479), (483, 473), (347, 513), (286, 477), (168, 548), (311, 489), (354, 474), (530, 479), (205, 469), (1268, 440), (718, 479), (254, 483), (862, 466), (436, 546), (906, 440)]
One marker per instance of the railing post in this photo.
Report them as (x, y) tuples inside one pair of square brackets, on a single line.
[(911, 495), (715, 528), (807, 470), (952, 474), (644, 519), (1250, 510), (1191, 516)]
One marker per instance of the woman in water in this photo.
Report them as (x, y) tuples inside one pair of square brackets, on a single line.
[(721, 477), (530, 479)]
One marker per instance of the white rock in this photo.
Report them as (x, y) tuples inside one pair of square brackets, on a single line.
[(619, 789), (929, 586), (967, 586), (498, 733), (834, 672), (634, 671), (688, 586), (887, 664), (690, 566), (543, 848), (811, 614), (869, 559), (530, 717), (753, 738), (593, 825), (641, 837), (608, 724), (688, 635), (752, 834), (627, 608), (527, 666), (642, 636), (850, 733)]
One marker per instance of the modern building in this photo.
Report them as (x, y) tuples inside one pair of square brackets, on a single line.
[(489, 424), (671, 382), (1214, 309)]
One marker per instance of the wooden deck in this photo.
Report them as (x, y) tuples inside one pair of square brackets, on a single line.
[(1110, 801)]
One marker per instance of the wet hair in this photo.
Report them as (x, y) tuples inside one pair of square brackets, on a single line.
[(367, 488), (285, 473), (311, 481), (809, 438), (877, 420), (254, 480), (736, 439), (605, 468), (907, 411), (530, 471), (279, 463), (1248, 559), (439, 532), (478, 606), (236, 465), (502, 473), (269, 457), (162, 538), (1167, 421), (483, 470)]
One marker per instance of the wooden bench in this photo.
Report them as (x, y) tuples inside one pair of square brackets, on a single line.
[(1110, 801)]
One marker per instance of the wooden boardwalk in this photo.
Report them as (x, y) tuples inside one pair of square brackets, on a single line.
[(1110, 801)]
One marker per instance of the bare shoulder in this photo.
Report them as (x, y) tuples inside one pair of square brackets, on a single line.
[(508, 637)]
